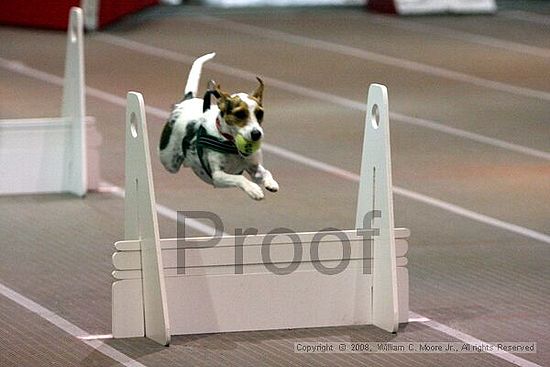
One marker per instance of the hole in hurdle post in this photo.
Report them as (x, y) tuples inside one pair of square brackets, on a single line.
[(133, 125), (73, 30), (375, 116)]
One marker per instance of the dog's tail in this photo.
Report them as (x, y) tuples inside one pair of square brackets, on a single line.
[(195, 75)]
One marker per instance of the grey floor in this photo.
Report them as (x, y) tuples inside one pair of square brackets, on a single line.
[(470, 135)]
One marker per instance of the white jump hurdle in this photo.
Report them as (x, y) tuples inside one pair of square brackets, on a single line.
[(47, 155), (152, 296), (415, 7)]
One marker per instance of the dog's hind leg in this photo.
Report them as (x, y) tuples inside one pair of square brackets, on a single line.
[(170, 153)]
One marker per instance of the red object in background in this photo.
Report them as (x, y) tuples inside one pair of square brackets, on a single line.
[(36, 13), (382, 6), (55, 14), (112, 10)]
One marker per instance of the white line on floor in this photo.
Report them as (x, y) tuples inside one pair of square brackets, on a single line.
[(460, 35), (313, 163), (311, 93), (375, 57), (512, 358), (478, 217), (413, 317), (336, 171), (68, 327), (165, 211), (95, 337), (470, 135)]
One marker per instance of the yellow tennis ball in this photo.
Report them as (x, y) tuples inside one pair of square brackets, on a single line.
[(246, 146)]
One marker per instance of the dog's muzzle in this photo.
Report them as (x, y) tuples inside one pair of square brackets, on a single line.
[(255, 135)]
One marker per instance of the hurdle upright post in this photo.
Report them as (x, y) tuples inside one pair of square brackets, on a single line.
[(73, 107), (141, 222), (375, 194)]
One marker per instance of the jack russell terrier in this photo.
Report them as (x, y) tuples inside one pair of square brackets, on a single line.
[(218, 142)]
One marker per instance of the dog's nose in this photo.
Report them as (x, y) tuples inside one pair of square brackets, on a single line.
[(255, 135)]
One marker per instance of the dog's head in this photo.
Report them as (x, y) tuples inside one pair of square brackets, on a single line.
[(243, 113)]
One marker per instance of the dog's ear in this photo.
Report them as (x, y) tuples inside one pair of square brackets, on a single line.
[(224, 100), (212, 88), (258, 93), (220, 93)]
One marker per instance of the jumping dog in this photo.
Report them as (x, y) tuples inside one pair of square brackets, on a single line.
[(219, 142)]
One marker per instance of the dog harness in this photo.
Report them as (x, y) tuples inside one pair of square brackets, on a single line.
[(207, 141)]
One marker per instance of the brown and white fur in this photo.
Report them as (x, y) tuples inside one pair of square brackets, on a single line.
[(238, 113)]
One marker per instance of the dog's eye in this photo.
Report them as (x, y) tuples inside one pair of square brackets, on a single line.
[(240, 114), (259, 115)]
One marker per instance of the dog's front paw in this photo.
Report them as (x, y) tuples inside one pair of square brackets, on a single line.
[(271, 185), (254, 191)]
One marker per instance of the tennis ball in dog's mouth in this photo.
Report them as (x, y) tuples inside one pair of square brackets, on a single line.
[(246, 146)]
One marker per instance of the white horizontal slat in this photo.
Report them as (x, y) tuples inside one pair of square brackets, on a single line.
[(126, 274), (34, 123), (127, 245), (248, 269), (228, 241), (223, 256)]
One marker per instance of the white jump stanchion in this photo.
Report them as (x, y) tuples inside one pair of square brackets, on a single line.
[(375, 194), (48, 155), (259, 282), (140, 220)]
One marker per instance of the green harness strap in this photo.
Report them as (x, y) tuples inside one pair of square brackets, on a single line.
[(205, 140)]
